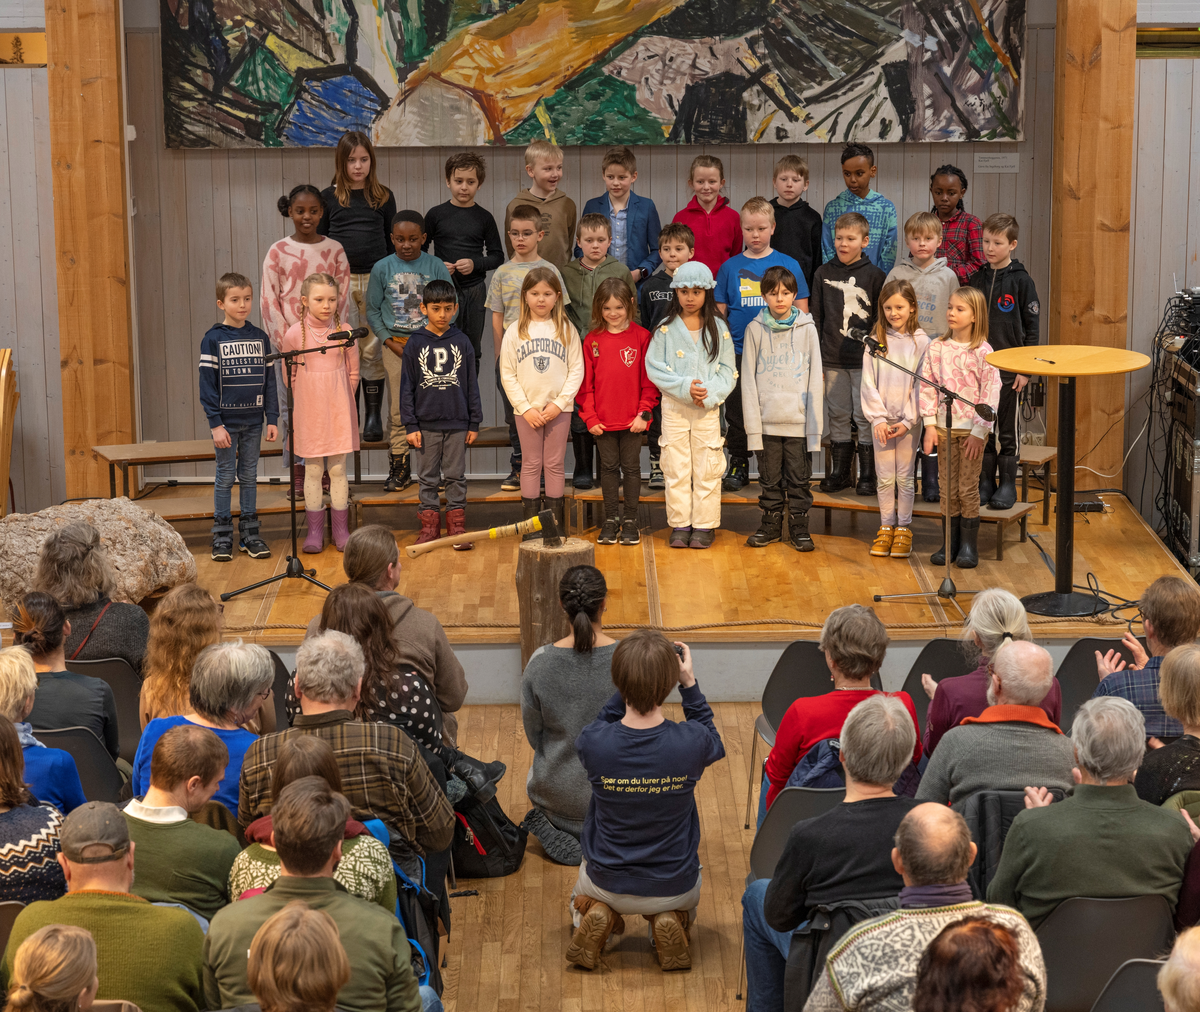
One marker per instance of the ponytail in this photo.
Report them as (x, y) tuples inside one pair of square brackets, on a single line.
[(38, 624), (582, 592)]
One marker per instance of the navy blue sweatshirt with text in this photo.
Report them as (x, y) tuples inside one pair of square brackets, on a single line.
[(236, 386), (438, 387)]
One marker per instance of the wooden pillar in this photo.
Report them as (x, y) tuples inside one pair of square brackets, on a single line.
[(87, 146), (1094, 72)]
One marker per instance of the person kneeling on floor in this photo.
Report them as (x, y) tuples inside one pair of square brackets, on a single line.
[(641, 837)]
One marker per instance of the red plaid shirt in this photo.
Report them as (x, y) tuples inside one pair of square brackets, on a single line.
[(962, 245)]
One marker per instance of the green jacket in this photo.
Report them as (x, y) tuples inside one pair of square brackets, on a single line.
[(581, 285), (381, 977), (183, 862), (1101, 842)]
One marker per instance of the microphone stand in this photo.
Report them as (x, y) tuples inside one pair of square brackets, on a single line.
[(295, 568), (947, 591)]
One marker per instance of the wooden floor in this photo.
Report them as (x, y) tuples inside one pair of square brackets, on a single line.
[(729, 592), (506, 946)]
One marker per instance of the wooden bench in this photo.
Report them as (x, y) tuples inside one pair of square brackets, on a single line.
[(1032, 457), (271, 499), (477, 492), (491, 437), (185, 451)]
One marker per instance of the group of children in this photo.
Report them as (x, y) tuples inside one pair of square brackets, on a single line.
[(618, 327)]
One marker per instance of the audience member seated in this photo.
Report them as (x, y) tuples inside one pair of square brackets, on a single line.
[(874, 967), (564, 686), (996, 615), (49, 772), (181, 861), (383, 772), (1170, 610), (372, 559), (1179, 979), (297, 962), (641, 837), (1009, 746), (54, 970), (365, 868), (229, 684), (1175, 767), (63, 699), (146, 954), (854, 642), (73, 568), (1103, 840), (973, 964), (844, 854), (309, 826), (29, 847), (186, 621)]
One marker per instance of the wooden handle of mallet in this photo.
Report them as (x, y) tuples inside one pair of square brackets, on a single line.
[(531, 526)]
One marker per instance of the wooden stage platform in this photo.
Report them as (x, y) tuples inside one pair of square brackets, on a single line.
[(729, 593)]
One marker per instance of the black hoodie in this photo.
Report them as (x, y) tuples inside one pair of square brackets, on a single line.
[(1012, 307), (832, 282)]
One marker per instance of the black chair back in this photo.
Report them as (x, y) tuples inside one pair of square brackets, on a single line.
[(1085, 940), (279, 688), (941, 658), (8, 914), (1133, 988), (791, 805), (800, 671), (97, 772), (126, 687), (1077, 674)]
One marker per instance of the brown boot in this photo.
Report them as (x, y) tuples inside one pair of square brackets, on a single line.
[(672, 940), (596, 922), (456, 523), (431, 525)]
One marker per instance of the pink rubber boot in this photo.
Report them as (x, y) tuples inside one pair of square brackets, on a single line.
[(341, 528), (314, 541)]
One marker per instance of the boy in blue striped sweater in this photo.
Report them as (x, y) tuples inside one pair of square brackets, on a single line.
[(236, 388), (858, 169)]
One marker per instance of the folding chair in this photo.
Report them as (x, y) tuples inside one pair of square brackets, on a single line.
[(98, 773), (126, 688), (1077, 674), (279, 688), (8, 914), (941, 658), (1133, 988)]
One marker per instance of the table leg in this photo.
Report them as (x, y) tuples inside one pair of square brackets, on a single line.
[(1046, 495)]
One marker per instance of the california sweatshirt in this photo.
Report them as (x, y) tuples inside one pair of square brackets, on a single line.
[(968, 373), (782, 390), (934, 284), (889, 395), (541, 369)]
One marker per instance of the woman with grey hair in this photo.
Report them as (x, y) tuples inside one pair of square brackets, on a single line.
[(230, 682), (73, 568)]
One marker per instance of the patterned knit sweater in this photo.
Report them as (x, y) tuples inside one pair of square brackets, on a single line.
[(29, 868)]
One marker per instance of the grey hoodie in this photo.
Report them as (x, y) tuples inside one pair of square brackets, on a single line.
[(934, 285), (782, 388)]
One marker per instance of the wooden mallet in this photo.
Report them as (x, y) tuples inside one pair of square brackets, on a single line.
[(544, 523)]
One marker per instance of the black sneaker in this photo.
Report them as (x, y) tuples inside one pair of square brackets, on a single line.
[(608, 533), (399, 474), (702, 538), (629, 533), (255, 547), (657, 481), (559, 845), (222, 550), (738, 475), (513, 482)]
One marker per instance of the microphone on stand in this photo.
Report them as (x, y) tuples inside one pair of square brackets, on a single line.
[(866, 340), (345, 338)]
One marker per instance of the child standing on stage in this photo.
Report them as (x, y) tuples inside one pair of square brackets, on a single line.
[(359, 211), (325, 420), (615, 401), (958, 360), (716, 226), (541, 367), (890, 402), (691, 361), (962, 233)]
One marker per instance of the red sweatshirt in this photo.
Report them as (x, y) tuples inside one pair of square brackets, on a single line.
[(718, 232), (615, 387), (812, 719)]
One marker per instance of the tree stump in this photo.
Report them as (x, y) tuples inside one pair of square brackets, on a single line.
[(540, 570)]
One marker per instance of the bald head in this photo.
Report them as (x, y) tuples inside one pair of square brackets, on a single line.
[(933, 846), (1023, 674)]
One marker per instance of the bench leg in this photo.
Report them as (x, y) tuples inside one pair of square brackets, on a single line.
[(828, 518), (1024, 530), (1046, 495), (1024, 481), (1000, 526), (357, 468), (125, 479), (112, 480)]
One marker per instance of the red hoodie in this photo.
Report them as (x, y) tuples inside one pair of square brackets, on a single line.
[(718, 232), (615, 387)]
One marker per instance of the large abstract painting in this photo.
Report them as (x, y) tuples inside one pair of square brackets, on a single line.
[(297, 73)]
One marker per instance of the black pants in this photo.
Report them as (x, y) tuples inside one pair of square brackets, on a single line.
[(655, 431), (471, 313), (514, 438), (785, 472), (1005, 428), (620, 452), (735, 422)]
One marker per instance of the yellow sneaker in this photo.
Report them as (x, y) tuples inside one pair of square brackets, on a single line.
[(901, 543), (882, 546)]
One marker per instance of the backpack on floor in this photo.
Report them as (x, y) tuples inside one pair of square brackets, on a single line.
[(487, 843)]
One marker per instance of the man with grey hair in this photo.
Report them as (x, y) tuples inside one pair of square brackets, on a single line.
[(873, 968), (1009, 746), (1103, 841), (835, 858), (384, 775)]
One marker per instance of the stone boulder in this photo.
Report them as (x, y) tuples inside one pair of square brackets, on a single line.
[(146, 553)]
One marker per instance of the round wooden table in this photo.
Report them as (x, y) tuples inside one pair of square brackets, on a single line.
[(1066, 362)]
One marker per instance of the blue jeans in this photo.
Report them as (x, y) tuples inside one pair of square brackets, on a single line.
[(240, 459), (430, 1002), (766, 952)]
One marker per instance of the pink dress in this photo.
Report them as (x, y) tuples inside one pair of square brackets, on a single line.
[(286, 266), (325, 415)]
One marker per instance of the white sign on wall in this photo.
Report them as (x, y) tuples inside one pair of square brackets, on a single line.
[(997, 161)]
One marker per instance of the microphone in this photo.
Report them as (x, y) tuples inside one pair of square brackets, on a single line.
[(865, 339), (985, 412), (347, 337)]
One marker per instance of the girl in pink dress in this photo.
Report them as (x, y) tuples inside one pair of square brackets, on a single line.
[(287, 264), (326, 417)]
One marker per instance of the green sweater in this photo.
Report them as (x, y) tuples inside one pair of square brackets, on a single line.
[(150, 956), (183, 862), (1102, 842), (581, 285), (381, 977)]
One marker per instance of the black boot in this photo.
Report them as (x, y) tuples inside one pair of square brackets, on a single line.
[(480, 777), (1005, 495), (399, 473), (222, 539), (557, 506), (866, 470), (372, 430), (938, 558), (738, 475), (249, 540), (798, 532), (987, 475), (838, 477), (929, 478), (967, 556), (769, 531), (582, 443), (529, 509)]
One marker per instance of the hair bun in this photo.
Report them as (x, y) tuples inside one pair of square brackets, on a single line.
[(284, 206)]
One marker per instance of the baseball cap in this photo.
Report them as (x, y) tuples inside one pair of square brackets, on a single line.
[(91, 826)]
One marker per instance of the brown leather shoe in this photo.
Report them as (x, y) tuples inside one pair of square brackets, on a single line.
[(671, 940), (596, 923)]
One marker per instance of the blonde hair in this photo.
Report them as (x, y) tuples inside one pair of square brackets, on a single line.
[(1179, 684), (1179, 979), (759, 205), (374, 191), (706, 162), (297, 962), (307, 286), (51, 968), (73, 567), (995, 615), (186, 621), (563, 328), (976, 302), (791, 163), (541, 148), (18, 681), (923, 223), (897, 286)]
